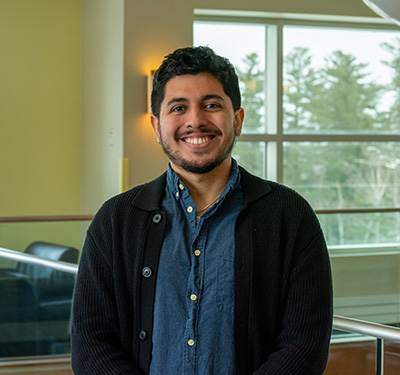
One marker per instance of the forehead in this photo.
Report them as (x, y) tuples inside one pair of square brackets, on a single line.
[(192, 87)]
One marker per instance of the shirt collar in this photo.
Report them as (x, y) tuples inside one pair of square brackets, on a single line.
[(175, 185), (149, 196)]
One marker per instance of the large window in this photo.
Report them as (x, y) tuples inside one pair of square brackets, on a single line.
[(322, 115)]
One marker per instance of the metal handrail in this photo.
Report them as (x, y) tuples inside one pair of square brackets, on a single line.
[(341, 323), (362, 327), (33, 259), (319, 211), (380, 332)]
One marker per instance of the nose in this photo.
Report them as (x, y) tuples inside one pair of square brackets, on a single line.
[(196, 118)]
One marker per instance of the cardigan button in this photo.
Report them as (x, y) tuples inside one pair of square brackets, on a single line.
[(157, 218), (143, 335), (146, 271)]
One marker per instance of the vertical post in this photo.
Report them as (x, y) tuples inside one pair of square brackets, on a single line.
[(380, 352)]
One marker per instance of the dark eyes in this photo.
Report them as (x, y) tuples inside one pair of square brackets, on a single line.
[(212, 105), (178, 109), (181, 108)]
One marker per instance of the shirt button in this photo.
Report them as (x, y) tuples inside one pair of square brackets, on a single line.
[(191, 342), (157, 218), (197, 253), (193, 297), (190, 209), (177, 194), (143, 335), (181, 186), (146, 272)]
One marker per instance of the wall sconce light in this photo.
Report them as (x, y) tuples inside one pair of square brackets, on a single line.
[(149, 89), (389, 9)]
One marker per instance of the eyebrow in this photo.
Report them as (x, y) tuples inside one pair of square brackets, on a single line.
[(204, 98), (213, 96), (176, 100)]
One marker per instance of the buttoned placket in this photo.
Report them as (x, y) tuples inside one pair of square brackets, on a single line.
[(196, 278), (201, 288)]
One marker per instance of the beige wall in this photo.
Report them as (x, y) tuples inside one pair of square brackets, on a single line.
[(39, 107), (161, 31), (102, 100)]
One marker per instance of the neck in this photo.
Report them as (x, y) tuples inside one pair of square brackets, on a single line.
[(207, 187)]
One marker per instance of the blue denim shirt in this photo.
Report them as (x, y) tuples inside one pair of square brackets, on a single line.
[(194, 300)]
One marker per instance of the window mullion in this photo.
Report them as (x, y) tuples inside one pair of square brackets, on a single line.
[(279, 104)]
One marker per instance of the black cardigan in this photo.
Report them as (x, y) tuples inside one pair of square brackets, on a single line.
[(283, 292)]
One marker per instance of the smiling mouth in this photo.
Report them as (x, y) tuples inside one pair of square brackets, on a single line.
[(198, 140)]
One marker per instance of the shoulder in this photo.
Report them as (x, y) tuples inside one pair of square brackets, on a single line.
[(286, 195), (268, 192), (284, 212), (277, 205), (141, 198), (146, 196)]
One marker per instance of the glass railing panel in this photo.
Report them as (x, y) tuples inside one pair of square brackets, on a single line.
[(351, 354), (391, 358), (365, 257), (19, 235), (362, 228), (35, 301), (35, 309)]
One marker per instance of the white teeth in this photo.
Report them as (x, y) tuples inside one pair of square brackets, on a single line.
[(197, 141)]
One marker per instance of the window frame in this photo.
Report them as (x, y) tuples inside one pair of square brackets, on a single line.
[(275, 140)]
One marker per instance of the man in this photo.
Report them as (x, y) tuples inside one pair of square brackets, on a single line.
[(207, 269)]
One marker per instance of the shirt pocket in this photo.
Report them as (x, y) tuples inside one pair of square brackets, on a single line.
[(225, 285)]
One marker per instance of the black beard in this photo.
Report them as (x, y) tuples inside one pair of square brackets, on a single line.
[(197, 168)]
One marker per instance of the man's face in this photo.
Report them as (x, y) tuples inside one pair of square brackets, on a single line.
[(197, 124)]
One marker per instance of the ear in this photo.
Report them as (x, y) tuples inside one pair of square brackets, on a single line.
[(155, 123), (239, 117)]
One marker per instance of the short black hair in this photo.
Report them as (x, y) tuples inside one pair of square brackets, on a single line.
[(194, 60)]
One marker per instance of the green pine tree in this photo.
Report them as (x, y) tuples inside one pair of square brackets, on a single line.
[(252, 87), (300, 86), (347, 101), (394, 64)]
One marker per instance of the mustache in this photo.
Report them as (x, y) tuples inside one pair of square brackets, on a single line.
[(200, 131)]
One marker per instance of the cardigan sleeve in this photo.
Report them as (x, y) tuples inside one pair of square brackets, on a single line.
[(303, 342), (95, 343)]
